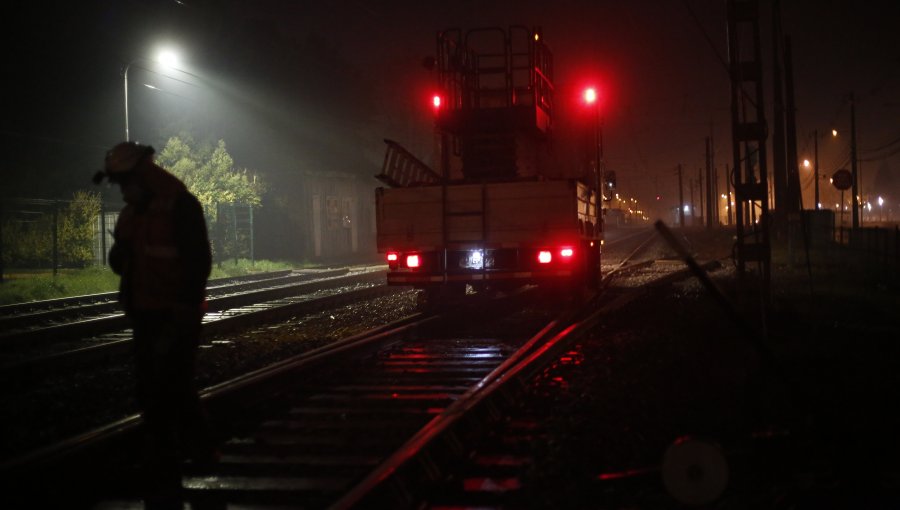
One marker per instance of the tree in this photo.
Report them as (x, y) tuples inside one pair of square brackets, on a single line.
[(209, 173)]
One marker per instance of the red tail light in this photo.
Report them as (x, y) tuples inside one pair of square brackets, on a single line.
[(544, 256), (393, 256), (412, 261), (566, 253)]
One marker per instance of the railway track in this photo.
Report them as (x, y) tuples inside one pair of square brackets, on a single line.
[(479, 452), (401, 403), (386, 377), (27, 355), (68, 318), (24, 311)]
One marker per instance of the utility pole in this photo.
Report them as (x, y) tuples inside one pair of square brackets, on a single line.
[(693, 209), (700, 193), (816, 165), (853, 169), (728, 194), (716, 193), (749, 132), (708, 189), (779, 156), (680, 198), (794, 196)]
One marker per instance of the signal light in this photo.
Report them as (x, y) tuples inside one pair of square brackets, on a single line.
[(590, 95), (544, 256), (658, 197), (413, 261)]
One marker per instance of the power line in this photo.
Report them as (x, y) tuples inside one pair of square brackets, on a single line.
[(706, 36)]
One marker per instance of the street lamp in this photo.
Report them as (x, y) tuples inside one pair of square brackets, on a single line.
[(167, 58), (806, 163)]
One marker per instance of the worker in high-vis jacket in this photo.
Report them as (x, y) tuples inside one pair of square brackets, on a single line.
[(161, 251)]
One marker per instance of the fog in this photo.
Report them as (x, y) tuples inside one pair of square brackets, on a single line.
[(298, 87)]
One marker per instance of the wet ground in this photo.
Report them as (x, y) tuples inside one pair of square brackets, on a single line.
[(798, 410)]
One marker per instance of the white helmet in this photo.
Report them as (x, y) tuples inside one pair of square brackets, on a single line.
[(121, 160)]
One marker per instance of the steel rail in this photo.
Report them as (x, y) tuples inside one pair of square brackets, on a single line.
[(400, 473), (109, 446), (227, 402), (44, 305), (118, 321), (398, 482), (81, 307), (39, 366), (639, 249)]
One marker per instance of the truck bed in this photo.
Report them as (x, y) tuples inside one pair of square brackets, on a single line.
[(496, 214)]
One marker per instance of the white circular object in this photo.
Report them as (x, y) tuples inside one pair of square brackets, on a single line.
[(694, 471)]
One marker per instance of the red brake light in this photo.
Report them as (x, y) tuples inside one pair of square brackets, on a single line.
[(436, 102), (566, 253), (544, 257), (392, 256), (412, 261)]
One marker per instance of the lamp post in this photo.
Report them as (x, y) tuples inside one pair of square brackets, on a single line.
[(165, 57), (853, 164), (816, 166)]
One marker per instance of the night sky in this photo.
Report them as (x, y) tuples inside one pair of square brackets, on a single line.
[(318, 85)]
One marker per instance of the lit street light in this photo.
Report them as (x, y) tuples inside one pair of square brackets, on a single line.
[(806, 164), (167, 58)]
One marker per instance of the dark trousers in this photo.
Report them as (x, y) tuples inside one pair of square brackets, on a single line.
[(166, 345)]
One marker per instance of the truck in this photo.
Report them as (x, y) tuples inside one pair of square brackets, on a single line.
[(500, 211)]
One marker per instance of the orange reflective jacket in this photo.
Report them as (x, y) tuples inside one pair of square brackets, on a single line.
[(161, 249)]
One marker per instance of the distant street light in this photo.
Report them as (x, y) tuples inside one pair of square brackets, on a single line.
[(168, 58)]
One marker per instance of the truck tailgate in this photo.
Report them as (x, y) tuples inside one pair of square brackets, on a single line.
[(491, 214)]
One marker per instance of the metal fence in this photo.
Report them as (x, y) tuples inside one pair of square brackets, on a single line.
[(232, 233), (875, 249), (51, 234), (48, 234), (871, 251), (103, 228)]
